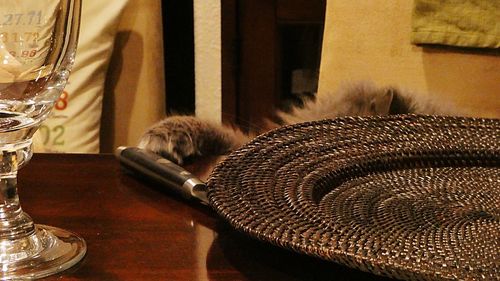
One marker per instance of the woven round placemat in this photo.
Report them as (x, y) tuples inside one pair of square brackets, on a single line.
[(409, 197)]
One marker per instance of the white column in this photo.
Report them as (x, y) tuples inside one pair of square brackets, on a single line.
[(207, 58)]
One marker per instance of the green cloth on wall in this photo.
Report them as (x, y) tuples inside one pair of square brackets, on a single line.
[(463, 23)]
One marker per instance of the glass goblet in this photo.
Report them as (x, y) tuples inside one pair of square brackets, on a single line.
[(37, 47)]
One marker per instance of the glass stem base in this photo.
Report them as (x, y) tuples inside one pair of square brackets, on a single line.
[(27, 250), (47, 251)]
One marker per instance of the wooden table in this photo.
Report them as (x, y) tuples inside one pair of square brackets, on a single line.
[(136, 231)]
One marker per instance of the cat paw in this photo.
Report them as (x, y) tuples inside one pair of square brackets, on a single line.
[(174, 137)]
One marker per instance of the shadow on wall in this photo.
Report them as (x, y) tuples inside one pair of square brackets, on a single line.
[(460, 73), (126, 70)]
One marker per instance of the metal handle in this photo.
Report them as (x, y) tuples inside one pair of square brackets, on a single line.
[(163, 171)]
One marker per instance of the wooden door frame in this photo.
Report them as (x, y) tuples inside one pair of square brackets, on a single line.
[(251, 87)]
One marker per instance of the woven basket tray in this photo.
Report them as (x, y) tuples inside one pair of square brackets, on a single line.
[(409, 197)]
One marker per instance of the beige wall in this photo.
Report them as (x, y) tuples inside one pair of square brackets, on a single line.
[(371, 41), (134, 98), (207, 59)]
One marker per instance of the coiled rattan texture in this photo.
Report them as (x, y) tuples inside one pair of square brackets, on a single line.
[(409, 197)]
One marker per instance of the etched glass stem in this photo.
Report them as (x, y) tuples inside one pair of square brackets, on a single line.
[(14, 223)]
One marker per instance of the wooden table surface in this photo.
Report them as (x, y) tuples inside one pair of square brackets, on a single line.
[(137, 231)]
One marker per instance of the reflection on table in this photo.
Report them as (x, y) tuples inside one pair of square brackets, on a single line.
[(135, 230)]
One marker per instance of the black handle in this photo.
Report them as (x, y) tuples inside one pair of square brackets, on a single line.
[(163, 171)]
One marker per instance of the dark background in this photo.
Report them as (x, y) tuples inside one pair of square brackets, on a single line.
[(263, 41)]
